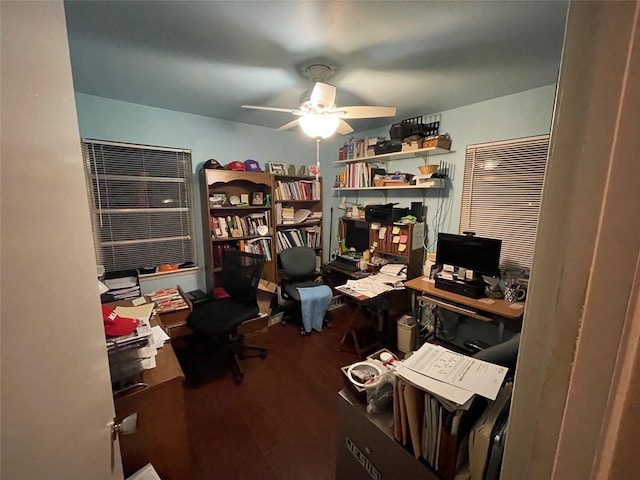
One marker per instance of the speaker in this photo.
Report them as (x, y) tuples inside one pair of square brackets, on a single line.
[(416, 210)]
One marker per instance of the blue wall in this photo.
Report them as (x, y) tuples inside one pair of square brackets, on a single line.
[(519, 115), (107, 119), (523, 114)]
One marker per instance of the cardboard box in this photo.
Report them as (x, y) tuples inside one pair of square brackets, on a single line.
[(255, 326), (266, 293)]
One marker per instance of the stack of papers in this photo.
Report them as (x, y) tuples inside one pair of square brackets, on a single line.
[(451, 376), (133, 353), (123, 288), (373, 285)]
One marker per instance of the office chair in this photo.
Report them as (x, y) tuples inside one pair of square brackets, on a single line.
[(218, 320), (298, 271), (505, 353)]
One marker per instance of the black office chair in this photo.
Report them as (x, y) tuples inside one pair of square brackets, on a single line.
[(298, 271), (505, 353), (218, 321)]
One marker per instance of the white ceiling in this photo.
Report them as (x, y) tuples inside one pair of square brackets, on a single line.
[(210, 57)]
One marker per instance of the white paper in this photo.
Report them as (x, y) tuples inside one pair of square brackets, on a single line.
[(452, 393), (145, 473), (159, 336), (458, 370)]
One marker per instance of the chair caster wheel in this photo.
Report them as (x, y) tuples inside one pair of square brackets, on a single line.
[(328, 324), (283, 323), (238, 379)]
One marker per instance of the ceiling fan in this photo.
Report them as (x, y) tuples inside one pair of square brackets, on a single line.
[(319, 114)]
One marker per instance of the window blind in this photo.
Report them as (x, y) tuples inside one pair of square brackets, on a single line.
[(501, 195), (141, 204)]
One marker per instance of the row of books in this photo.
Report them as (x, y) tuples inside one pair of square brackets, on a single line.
[(358, 175), (237, 226), (260, 245), (299, 237), (297, 190), (358, 147)]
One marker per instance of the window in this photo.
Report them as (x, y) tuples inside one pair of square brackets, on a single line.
[(141, 204), (501, 195)]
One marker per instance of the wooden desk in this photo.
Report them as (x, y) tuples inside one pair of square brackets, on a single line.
[(498, 311), (161, 438)]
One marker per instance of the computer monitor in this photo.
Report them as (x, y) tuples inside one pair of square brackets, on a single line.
[(356, 236), (482, 255)]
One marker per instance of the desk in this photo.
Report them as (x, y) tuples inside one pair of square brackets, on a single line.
[(499, 311), (161, 438)]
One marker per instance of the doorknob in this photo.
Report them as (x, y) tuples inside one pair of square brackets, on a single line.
[(127, 426)]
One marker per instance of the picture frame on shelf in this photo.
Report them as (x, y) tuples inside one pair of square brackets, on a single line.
[(257, 199), (278, 168), (217, 200)]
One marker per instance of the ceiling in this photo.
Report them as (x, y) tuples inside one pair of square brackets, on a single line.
[(211, 57)]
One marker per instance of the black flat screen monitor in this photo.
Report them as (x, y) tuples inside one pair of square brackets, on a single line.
[(482, 255), (357, 236)]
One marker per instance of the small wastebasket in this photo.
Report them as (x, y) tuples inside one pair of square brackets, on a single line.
[(407, 333)]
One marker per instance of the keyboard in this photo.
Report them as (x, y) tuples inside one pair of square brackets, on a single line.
[(346, 266)]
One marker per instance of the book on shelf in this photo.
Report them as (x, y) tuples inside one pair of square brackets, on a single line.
[(301, 215)]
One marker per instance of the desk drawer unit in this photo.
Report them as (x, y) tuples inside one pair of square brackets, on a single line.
[(366, 449)]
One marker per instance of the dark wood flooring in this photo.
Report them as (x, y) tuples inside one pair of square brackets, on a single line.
[(280, 423)]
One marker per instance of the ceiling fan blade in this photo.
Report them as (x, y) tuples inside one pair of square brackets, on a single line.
[(274, 109), (323, 96), (364, 112), (344, 128), (289, 125)]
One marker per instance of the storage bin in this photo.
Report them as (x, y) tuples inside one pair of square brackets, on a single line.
[(407, 333)]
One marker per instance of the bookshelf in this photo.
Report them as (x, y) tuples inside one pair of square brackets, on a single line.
[(297, 212), (236, 214), (258, 212)]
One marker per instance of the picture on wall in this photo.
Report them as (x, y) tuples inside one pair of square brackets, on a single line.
[(278, 168)]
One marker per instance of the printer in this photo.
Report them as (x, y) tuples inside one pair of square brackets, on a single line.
[(385, 213)]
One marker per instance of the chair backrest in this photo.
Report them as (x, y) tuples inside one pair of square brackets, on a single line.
[(298, 262), (241, 273)]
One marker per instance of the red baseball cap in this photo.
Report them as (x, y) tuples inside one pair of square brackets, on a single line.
[(115, 325), (236, 165)]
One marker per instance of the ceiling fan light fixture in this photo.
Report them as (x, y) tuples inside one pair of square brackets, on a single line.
[(319, 126)]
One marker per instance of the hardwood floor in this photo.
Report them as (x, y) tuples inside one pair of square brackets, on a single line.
[(280, 424)]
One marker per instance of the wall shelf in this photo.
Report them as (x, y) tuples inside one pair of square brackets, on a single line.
[(435, 183), (420, 152)]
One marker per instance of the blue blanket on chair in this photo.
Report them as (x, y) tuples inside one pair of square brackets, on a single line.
[(314, 302)]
